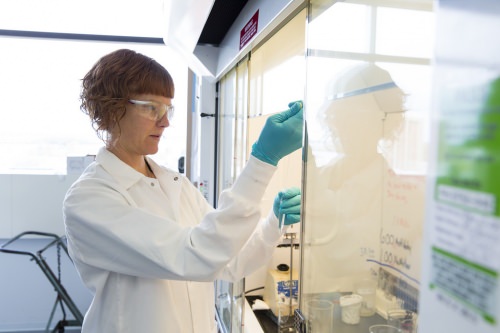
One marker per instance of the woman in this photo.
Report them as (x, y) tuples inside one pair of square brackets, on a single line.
[(142, 237)]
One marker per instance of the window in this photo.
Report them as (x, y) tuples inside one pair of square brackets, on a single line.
[(41, 122), (40, 118)]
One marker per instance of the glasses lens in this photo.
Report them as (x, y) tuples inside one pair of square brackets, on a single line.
[(170, 112), (154, 110), (160, 110), (165, 109)]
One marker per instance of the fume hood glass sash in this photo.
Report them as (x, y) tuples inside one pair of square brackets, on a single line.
[(367, 117)]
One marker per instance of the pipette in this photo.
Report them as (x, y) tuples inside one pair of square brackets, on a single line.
[(281, 218)]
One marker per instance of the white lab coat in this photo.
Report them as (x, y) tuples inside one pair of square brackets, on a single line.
[(150, 249)]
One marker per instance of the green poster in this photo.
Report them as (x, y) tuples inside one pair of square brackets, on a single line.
[(465, 247)]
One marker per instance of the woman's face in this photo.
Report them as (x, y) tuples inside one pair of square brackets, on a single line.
[(138, 134)]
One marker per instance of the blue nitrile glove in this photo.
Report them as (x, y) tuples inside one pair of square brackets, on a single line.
[(288, 203), (281, 135)]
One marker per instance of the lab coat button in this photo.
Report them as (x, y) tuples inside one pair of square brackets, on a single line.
[(152, 184), (176, 178)]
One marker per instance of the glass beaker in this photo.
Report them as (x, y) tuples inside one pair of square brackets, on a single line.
[(320, 316)]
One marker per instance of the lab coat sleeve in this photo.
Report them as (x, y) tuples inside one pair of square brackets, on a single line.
[(107, 231), (256, 253)]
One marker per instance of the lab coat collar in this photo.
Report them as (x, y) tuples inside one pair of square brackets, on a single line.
[(127, 176), (123, 173)]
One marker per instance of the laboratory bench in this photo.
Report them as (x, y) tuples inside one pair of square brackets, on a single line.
[(268, 324)]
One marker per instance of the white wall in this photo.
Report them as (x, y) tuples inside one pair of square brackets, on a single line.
[(207, 139), (32, 202)]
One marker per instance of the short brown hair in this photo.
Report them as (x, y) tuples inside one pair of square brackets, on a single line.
[(117, 76)]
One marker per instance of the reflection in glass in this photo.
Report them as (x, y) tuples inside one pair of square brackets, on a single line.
[(367, 115), (344, 197)]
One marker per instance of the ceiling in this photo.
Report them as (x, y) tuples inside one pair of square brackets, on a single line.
[(219, 21)]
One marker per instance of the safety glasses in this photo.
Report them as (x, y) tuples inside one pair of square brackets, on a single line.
[(153, 110)]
